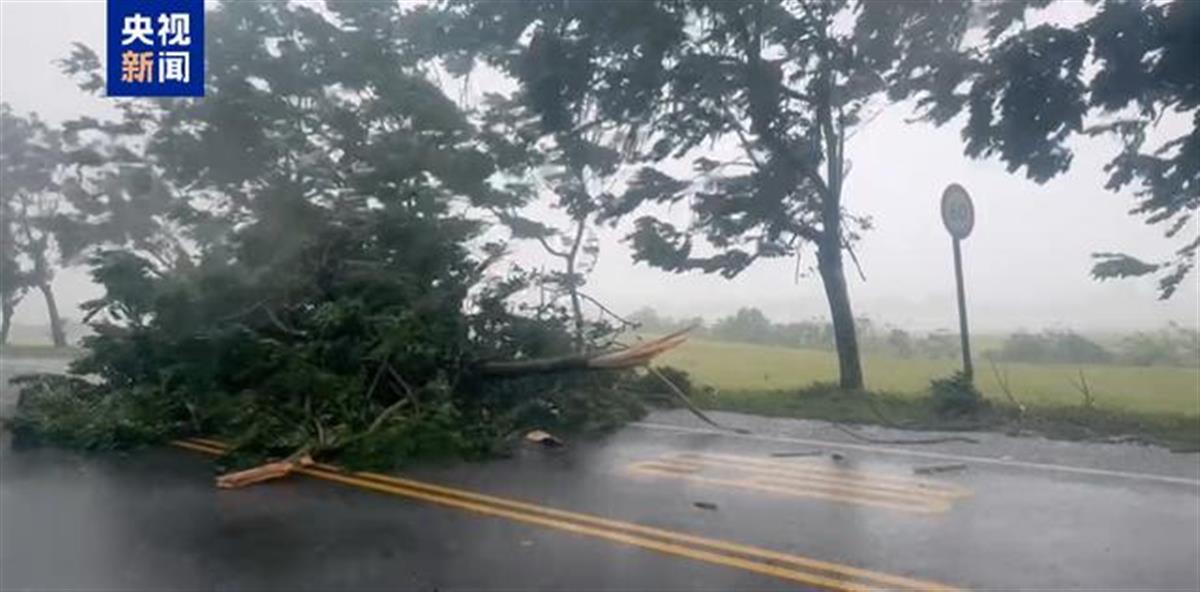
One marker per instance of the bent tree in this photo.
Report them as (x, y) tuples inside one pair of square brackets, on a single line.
[(1028, 90), (30, 165), (554, 143), (787, 83)]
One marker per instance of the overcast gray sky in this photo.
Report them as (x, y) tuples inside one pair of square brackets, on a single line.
[(1026, 263)]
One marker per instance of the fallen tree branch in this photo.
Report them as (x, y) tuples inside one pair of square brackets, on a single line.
[(687, 402), (638, 355)]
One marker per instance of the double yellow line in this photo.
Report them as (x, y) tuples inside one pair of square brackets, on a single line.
[(786, 566), (807, 480)]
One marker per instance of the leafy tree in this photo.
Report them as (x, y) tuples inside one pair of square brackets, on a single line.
[(1171, 345), (747, 324), (786, 82), (29, 164), (1029, 90), (331, 291), (554, 139), (575, 169), (900, 342), (13, 278), (1050, 347)]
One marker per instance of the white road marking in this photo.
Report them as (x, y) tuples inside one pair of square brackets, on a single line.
[(927, 454)]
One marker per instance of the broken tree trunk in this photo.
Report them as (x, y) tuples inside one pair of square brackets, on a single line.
[(638, 355)]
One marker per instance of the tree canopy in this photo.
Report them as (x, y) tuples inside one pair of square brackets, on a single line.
[(327, 287), (1028, 89)]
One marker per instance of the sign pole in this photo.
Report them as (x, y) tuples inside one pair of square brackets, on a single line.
[(958, 214), (968, 368)]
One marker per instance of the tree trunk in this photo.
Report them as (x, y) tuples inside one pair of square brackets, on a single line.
[(829, 257), (56, 325), (573, 286), (6, 320)]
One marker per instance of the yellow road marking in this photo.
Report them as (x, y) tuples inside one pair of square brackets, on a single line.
[(799, 475), (625, 532), (806, 479), (750, 464), (800, 490)]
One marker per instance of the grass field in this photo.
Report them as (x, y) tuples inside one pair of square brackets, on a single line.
[(733, 367)]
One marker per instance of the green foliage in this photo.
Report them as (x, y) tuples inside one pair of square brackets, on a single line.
[(1171, 346), (326, 284), (1028, 91), (1053, 347), (956, 395), (665, 78), (72, 412)]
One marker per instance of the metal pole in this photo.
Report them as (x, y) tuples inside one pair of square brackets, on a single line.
[(968, 369)]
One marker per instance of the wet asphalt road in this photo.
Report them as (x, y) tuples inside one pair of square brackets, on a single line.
[(1024, 513)]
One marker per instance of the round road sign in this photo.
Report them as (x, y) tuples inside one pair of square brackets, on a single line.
[(958, 213)]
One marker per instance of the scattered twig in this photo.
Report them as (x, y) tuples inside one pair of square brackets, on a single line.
[(795, 454), (931, 469)]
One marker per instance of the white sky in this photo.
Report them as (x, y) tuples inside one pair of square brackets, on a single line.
[(1027, 261)]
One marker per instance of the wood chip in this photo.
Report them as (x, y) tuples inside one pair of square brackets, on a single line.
[(543, 438)]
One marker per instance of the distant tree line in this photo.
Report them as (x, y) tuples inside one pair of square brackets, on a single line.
[(751, 325), (1172, 345)]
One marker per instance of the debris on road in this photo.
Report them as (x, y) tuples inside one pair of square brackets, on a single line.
[(266, 472), (544, 438), (931, 469), (705, 505), (837, 457), (797, 453)]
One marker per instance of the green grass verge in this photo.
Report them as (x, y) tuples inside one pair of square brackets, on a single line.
[(1155, 404), (754, 368), (826, 402)]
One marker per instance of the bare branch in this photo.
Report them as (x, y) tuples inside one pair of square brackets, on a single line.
[(1002, 380), (607, 311), (853, 258)]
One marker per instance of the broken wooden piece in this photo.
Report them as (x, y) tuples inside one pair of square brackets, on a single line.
[(267, 472), (544, 438)]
